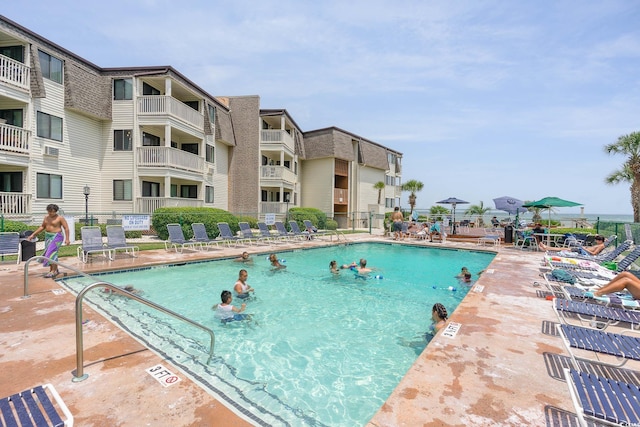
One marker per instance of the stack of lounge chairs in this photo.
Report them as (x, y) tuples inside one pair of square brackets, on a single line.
[(601, 392)]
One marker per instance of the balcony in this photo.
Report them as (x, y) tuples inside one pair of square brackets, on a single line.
[(275, 207), (160, 105), (157, 157), (279, 173), (15, 203), (340, 196), (14, 73), (274, 139), (13, 138), (147, 205)]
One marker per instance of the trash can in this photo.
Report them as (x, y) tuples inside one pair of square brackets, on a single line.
[(28, 247), (508, 233)]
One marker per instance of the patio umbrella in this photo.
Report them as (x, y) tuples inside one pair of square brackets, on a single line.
[(453, 202), (550, 202), (511, 205)]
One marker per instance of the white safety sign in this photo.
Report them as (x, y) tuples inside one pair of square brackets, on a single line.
[(163, 375), (451, 330)]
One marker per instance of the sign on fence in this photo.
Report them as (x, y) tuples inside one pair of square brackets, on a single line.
[(270, 218), (136, 222)]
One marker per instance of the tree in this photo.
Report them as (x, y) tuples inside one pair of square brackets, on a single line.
[(438, 212), (478, 210), (379, 186), (413, 187), (627, 145)]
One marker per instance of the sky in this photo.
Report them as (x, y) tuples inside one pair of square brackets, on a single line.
[(483, 98)]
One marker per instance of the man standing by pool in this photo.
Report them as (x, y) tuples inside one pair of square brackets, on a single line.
[(53, 225), (397, 219)]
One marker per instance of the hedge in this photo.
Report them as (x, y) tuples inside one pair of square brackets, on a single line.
[(210, 217)]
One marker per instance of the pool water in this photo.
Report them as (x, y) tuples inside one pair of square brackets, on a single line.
[(320, 349)]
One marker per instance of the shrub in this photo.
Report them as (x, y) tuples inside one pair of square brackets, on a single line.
[(332, 224), (16, 226), (316, 216), (185, 216), (253, 222)]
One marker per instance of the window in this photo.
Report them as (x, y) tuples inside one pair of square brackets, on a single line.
[(287, 164), (122, 89), (189, 191), (174, 190), (193, 104), (150, 189), (212, 115), (122, 140), (147, 89), (13, 52), (11, 182), (13, 117), (48, 186), (191, 148), (122, 189), (208, 194), (49, 126), (210, 153), (149, 140), (51, 67)]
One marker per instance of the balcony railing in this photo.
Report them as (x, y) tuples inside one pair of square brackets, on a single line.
[(277, 173), (15, 203), (13, 138), (272, 137), (14, 72), (275, 207), (340, 196), (150, 204), (158, 105), (156, 157)]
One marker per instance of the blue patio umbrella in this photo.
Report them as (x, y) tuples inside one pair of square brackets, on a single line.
[(453, 201), (511, 205)]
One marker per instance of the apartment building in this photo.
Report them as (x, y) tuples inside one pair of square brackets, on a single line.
[(131, 140)]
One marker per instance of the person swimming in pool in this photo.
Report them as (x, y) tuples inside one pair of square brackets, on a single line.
[(242, 288), (275, 264), (333, 267), (362, 267), (244, 258), (227, 312), (128, 288), (439, 318), (463, 271)]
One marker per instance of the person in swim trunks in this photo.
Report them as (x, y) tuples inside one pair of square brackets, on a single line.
[(53, 226), (397, 219)]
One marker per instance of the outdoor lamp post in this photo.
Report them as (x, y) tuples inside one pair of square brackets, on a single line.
[(86, 191), (286, 200)]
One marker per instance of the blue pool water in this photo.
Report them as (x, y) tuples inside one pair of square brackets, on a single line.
[(320, 349)]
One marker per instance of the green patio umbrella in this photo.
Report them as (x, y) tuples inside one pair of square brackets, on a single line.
[(550, 202)]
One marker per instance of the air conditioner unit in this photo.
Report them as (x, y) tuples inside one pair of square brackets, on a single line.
[(51, 151), (210, 170)]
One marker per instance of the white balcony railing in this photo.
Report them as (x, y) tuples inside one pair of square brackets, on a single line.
[(170, 158), (15, 203), (158, 105), (275, 207), (150, 204), (277, 173), (273, 137), (13, 138), (14, 72)]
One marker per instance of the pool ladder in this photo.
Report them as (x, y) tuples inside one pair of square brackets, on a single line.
[(79, 374), (339, 234)]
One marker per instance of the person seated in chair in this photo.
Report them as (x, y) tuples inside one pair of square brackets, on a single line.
[(590, 250), (623, 281), (494, 222)]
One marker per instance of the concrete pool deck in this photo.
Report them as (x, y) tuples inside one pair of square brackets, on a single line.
[(491, 373)]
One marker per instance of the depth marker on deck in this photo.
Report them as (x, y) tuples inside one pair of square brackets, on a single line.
[(451, 330), (163, 375)]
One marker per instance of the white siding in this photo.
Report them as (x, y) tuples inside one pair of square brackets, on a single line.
[(119, 164), (367, 195), (316, 184)]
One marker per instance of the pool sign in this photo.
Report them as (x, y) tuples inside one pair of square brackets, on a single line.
[(163, 375), (451, 330), (136, 222), (270, 218)]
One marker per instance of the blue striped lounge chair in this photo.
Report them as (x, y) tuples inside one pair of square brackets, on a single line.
[(10, 244), (621, 346), (177, 240), (38, 406)]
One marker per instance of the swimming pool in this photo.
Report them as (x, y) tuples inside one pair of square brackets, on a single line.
[(321, 350)]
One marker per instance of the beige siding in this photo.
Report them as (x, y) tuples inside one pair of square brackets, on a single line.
[(79, 155), (221, 177), (367, 195), (316, 184)]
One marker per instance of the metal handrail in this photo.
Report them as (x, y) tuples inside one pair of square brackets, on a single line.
[(80, 375), (79, 342)]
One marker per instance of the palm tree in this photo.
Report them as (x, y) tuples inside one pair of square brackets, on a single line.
[(413, 186), (478, 210), (628, 145), (379, 186)]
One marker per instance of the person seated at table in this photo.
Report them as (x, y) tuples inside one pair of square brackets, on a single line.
[(589, 250), (623, 281), (495, 222), (538, 229)]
